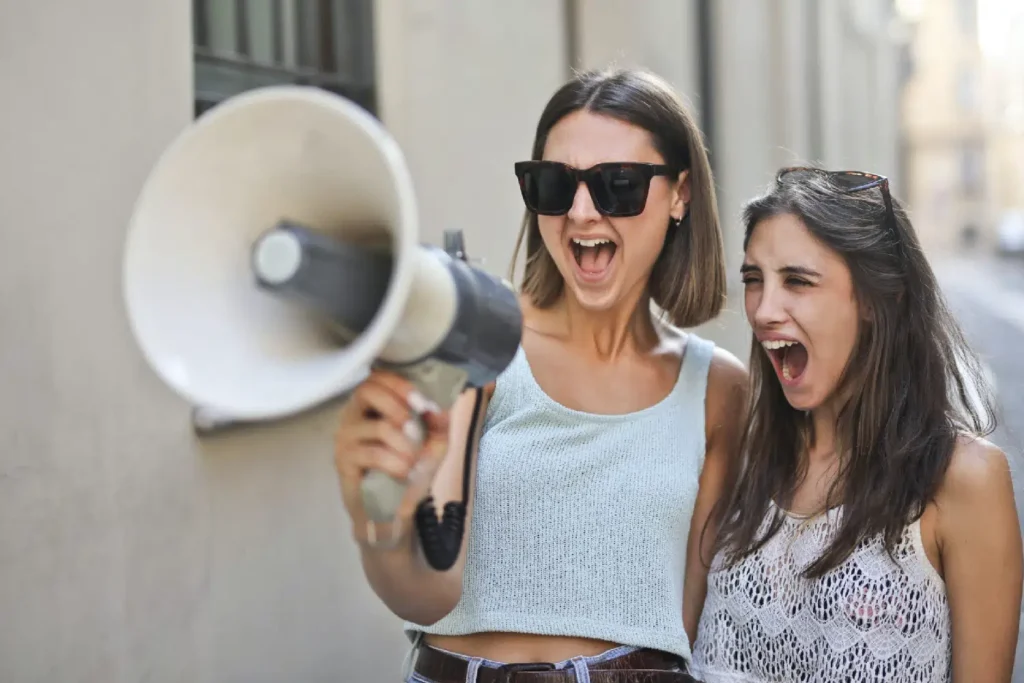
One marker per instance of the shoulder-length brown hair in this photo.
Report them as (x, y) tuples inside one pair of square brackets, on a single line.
[(688, 281), (914, 384)]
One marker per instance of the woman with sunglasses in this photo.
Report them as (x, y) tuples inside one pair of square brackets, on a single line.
[(872, 533), (606, 439)]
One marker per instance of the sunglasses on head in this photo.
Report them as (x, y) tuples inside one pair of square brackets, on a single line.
[(846, 181), (618, 189)]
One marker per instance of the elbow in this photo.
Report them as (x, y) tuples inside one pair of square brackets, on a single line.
[(423, 617), (427, 613), (431, 607)]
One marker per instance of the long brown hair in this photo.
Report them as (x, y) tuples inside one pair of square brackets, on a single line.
[(688, 281), (915, 386)]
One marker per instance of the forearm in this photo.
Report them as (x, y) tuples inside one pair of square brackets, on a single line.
[(407, 585), (401, 577)]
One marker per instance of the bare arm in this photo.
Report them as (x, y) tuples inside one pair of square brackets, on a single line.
[(725, 411), (400, 576), (980, 548)]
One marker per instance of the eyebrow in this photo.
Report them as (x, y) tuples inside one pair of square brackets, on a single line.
[(785, 270)]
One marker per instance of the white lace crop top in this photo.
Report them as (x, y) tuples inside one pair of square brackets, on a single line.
[(867, 620)]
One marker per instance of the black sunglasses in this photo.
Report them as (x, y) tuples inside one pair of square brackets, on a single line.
[(619, 189), (847, 181)]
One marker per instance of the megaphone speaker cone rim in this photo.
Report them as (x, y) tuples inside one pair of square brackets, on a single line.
[(352, 365)]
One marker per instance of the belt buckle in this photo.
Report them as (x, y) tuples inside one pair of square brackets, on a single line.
[(507, 673)]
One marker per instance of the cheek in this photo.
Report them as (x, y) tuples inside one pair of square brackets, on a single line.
[(643, 238), (551, 231), (751, 300), (836, 335)]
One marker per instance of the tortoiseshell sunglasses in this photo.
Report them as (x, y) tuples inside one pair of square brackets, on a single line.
[(848, 181)]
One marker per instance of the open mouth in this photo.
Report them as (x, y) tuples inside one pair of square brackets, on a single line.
[(593, 256), (788, 357)]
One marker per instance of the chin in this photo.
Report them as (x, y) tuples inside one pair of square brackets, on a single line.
[(799, 400), (593, 299)]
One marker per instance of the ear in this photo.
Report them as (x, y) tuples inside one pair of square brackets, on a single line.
[(680, 196)]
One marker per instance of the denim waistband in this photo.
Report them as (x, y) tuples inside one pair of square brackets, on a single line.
[(580, 665)]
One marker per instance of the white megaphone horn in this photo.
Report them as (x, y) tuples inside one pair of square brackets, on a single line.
[(273, 258)]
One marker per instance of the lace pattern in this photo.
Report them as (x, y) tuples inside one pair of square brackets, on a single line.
[(869, 619)]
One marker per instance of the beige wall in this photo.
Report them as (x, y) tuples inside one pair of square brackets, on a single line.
[(461, 86), (773, 109), (129, 550)]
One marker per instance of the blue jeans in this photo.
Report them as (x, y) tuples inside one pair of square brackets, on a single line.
[(580, 665)]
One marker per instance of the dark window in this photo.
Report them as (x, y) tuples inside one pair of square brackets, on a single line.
[(245, 44), (706, 70)]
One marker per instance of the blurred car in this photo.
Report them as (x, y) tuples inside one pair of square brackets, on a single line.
[(1010, 234)]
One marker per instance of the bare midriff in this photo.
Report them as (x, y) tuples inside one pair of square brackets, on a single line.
[(519, 647)]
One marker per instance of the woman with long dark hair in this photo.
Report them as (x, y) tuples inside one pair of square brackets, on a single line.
[(604, 442), (872, 534)]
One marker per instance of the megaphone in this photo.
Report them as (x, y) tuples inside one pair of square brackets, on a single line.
[(273, 258)]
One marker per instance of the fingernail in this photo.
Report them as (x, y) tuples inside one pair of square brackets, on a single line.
[(413, 430), (421, 404)]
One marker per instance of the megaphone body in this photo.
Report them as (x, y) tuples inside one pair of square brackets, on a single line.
[(273, 259)]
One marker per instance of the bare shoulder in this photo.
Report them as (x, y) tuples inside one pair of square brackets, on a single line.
[(728, 389), (982, 560), (727, 371), (977, 490), (977, 470)]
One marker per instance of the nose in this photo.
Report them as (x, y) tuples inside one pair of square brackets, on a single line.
[(583, 210), (769, 309)]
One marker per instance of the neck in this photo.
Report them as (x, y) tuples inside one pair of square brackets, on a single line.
[(626, 327), (823, 419)]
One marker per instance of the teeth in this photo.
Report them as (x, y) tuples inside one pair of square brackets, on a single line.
[(785, 372), (777, 344), (590, 243)]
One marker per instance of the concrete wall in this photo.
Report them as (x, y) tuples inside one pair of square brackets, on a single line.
[(461, 86), (130, 550)]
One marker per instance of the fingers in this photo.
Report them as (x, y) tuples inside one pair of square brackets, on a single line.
[(383, 399), (388, 426), (374, 457), (405, 441)]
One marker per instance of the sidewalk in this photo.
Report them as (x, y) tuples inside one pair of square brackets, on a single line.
[(995, 285)]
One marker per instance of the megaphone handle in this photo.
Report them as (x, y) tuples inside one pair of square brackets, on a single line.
[(382, 493)]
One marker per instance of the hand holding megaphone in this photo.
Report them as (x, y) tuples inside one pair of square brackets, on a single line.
[(388, 432)]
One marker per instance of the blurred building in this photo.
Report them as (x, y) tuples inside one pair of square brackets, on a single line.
[(131, 550), (962, 127), (946, 136), (1006, 163)]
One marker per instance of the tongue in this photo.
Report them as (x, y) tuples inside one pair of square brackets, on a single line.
[(795, 360), (596, 259)]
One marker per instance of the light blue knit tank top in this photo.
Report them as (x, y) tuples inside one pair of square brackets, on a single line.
[(580, 520)]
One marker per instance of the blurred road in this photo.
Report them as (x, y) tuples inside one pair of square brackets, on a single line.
[(988, 297)]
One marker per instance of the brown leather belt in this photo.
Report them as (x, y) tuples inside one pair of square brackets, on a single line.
[(640, 666)]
